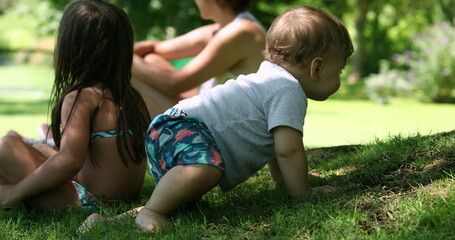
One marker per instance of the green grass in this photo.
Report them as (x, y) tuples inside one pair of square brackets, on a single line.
[(400, 184), (399, 188), (340, 122), (24, 96)]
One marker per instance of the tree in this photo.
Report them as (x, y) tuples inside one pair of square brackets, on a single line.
[(379, 28)]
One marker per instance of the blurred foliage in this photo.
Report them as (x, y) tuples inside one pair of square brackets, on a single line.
[(26, 22), (430, 64), (387, 84), (160, 19), (379, 28)]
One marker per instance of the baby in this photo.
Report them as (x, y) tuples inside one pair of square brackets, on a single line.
[(230, 132)]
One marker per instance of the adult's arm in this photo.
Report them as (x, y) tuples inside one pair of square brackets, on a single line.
[(227, 48), (184, 46)]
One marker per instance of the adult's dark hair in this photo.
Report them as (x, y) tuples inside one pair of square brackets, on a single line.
[(95, 45), (238, 6)]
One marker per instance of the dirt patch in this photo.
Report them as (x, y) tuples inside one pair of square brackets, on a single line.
[(437, 164), (325, 151)]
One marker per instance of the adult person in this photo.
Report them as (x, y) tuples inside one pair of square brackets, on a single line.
[(231, 46)]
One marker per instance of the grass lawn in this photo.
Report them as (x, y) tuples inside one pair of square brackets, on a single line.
[(402, 188), (400, 184), (24, 93), (341, 122)]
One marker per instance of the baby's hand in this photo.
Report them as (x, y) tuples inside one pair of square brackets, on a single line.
[(323, 189)]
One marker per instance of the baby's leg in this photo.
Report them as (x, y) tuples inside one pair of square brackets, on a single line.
[(180, 185)]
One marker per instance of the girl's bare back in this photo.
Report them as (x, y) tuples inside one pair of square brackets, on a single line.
[(103, 172)]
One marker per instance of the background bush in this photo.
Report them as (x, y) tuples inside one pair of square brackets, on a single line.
[(429, 67), (387, 84), (432, 64)]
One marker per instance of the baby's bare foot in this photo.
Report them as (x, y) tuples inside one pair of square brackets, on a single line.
[(90, 222), (314, 175), (149, 220)]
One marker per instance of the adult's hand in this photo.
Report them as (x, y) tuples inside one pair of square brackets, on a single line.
[(143, 48)]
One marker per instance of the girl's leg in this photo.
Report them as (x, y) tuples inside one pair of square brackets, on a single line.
[(45, 149), (18, 160), (180, 185)]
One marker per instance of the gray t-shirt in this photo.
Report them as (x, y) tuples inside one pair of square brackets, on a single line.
[(241, 114)]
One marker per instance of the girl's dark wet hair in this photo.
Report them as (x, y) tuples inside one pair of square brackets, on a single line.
[(95, 45), (237, 5)]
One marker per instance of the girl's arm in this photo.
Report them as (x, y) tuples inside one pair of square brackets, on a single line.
[(66, 163)]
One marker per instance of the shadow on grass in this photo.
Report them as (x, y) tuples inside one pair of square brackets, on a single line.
[(369, 175), (398, 164), (21, 107)]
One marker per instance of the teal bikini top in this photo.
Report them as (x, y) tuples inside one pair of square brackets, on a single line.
[(112, 133)]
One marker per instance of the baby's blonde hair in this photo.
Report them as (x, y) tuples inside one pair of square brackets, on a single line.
[(302, 33)]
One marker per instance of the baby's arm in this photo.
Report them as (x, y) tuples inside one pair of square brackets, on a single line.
[(291, 165), (292, 161)]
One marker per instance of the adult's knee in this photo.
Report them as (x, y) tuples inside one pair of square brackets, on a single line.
[(152, 58)]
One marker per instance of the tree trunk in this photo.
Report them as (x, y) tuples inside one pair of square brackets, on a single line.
[(359, 54)]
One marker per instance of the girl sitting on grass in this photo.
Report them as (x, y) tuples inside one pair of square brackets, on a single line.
[(98, 120)]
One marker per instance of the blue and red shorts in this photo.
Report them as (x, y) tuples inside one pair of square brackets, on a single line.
[(173, 139)]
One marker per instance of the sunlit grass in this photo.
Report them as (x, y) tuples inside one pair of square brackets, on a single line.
[(329, 123), (341, 122), (391, 187), (24, 94), (405, 190)]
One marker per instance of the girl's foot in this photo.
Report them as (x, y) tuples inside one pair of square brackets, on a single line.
[(45, 132), (149, 221), (90, 222)]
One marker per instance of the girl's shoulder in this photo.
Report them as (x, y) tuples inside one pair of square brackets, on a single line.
[(87, 96)]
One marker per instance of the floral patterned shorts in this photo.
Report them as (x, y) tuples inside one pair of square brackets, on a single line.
[(86, 199), (173, 138)]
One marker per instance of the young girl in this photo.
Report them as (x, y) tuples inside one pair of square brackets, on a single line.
[(98, 119)]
